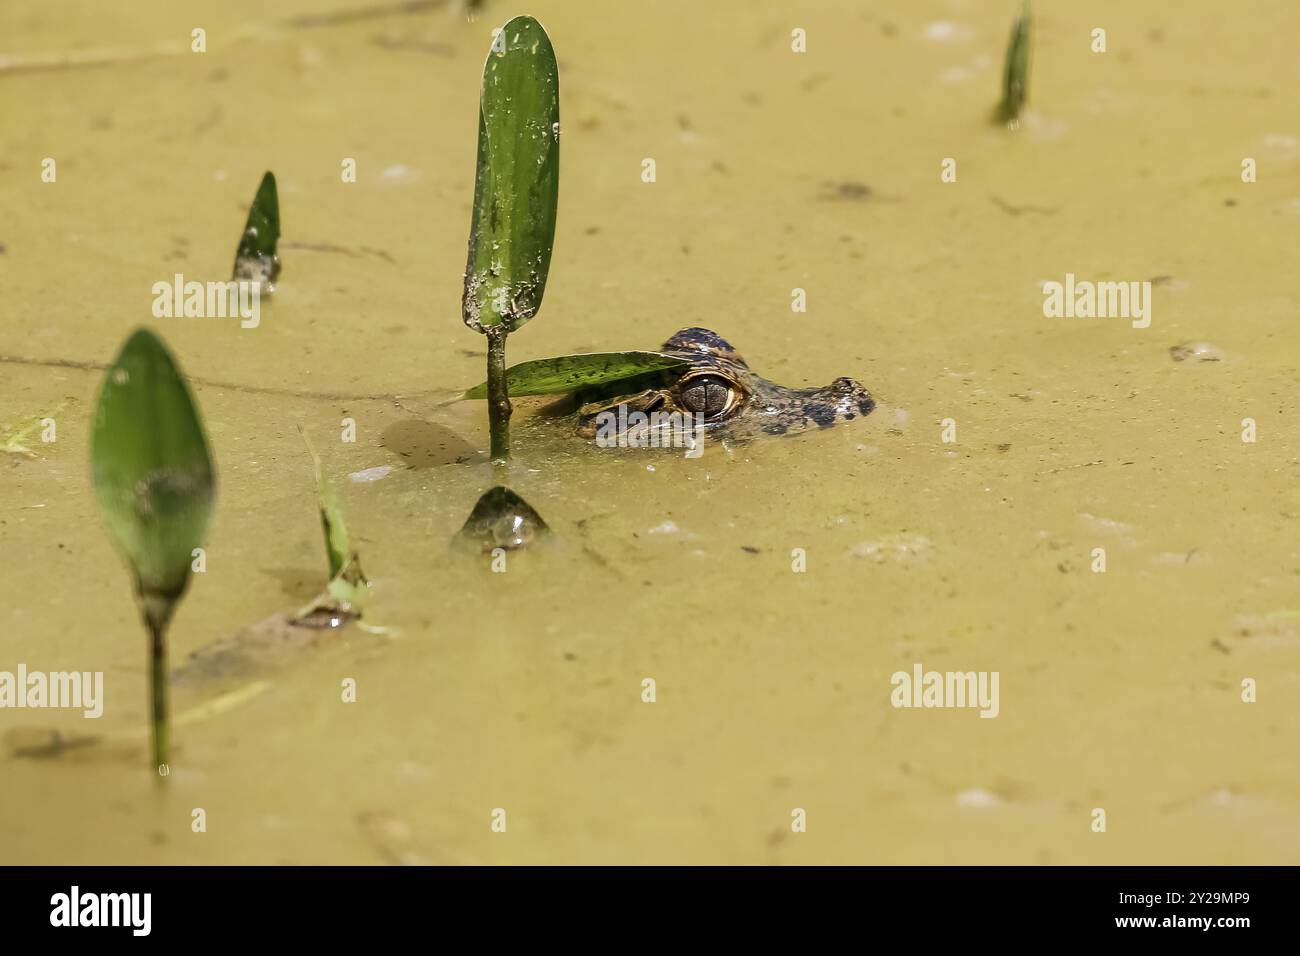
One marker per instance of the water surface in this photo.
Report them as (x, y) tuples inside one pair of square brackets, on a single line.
[(775, 171)]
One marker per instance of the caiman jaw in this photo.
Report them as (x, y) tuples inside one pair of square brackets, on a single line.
[(589, 415)]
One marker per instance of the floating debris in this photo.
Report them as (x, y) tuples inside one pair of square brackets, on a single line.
[(378, 473), (903, 548), (977, 799), (1196, 352), (16, 442)]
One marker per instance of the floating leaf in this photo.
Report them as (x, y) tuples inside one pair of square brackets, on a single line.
[(256, 259), (151, 467), (1015, 82), (567, 373), (516, 185)]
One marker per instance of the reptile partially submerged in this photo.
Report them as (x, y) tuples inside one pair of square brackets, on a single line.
[(718, 389)]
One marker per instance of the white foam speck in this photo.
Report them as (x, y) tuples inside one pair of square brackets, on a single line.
[(946, 31), (978, 799), (372, 474)]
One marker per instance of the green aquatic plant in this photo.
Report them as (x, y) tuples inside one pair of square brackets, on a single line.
[(155, 486), (567, 373), (1015, 78), (348, 589), (256, 259), (516, 192)]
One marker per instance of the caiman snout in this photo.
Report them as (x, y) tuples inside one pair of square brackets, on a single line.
[(796, 409), (851, 397)]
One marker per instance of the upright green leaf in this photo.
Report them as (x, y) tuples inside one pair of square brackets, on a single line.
[(153, 478), (348, 588), (516, 186), (567, 373), (1015, 78), (338, 546), (256, 258), (151, 468)]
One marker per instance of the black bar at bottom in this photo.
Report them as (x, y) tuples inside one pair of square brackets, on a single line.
[(332, 905)]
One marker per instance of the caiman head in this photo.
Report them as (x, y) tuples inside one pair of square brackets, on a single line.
[(719, 393)]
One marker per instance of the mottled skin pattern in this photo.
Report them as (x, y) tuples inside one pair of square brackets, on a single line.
[(753, 405)]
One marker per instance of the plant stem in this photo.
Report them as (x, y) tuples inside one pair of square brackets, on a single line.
[(498, 394), (157, 614)]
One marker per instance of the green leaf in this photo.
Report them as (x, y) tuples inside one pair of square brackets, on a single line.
[(338, 546), (256, 260), (1015, 80), (347, 587), (151, 468), (567, 373), (517, 182)]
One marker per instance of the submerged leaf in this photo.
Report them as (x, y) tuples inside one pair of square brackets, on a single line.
[(151, 468), (15, 443), (1015, 79), (501, 519), (516, 186), (567, 373), (256, 259)]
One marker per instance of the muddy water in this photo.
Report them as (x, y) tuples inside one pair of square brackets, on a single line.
[(1118, 690)]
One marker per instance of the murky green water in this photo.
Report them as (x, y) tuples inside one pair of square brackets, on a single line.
[(1119, 690)]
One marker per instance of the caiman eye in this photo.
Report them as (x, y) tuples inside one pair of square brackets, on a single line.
[(709, 395)]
